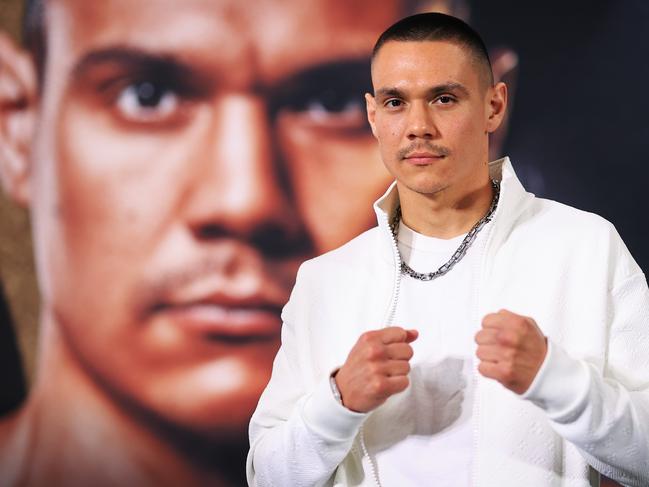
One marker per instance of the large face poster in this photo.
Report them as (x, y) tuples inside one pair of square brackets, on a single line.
[(179, 160)]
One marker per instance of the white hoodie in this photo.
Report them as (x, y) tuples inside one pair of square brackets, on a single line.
[(588, 406)]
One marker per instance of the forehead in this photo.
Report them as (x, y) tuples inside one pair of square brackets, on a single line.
[(423, 63), (265, 38)]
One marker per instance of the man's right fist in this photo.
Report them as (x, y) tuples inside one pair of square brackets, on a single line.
[(376, 368)]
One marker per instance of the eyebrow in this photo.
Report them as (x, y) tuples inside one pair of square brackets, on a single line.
[(433, 91), (124, 56), (162, 66), (345, 75), (331, 71)]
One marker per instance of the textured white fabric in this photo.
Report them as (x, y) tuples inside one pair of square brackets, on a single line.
[(567, 269)]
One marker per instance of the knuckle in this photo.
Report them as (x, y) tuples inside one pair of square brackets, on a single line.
[(373, 369), (488, 319), (520, 324), (483, 368), (399, 333), (376, 386), (406, 367), (508, 373), (374, 351), (402, 383), (509, 339), (366, 337)]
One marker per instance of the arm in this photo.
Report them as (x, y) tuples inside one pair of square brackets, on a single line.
[(299, 433), (298, 438), (605, 416)]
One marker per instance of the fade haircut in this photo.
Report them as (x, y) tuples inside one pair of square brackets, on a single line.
[(435, 26)]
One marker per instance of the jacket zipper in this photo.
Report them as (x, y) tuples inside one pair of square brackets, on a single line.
[(388, 322), (477, 398), (477, 406), (397, 279)]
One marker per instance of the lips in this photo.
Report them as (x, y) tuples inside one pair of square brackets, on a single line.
[(423, 158), (212, 313)]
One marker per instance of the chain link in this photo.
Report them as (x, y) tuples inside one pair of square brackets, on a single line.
[(461, 250)]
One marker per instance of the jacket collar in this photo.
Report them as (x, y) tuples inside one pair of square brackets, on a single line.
[(513, 200)]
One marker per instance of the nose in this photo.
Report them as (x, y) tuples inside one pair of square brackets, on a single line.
[(241, 192), (421, 124)]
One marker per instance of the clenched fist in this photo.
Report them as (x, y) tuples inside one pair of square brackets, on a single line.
[(511, 349), (376, 368)]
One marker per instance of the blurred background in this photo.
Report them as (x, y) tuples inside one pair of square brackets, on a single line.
[(578, 133)]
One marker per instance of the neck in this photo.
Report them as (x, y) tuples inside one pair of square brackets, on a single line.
[(75, 432), (445, 213)]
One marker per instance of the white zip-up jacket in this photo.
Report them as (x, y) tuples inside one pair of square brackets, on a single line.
[(588, 405)]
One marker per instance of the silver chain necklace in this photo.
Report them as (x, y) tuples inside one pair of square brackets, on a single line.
[(461, 250)]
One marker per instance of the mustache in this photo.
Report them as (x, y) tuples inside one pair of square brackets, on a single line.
[(156, 290), (438, 150)]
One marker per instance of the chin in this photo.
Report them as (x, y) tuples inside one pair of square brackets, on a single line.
[(426, 186), (211, 419), (220, 406)]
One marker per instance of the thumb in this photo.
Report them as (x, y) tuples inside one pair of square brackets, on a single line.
[(411, 335)]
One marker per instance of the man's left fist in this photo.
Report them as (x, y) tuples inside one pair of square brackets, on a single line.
[(511, 349)]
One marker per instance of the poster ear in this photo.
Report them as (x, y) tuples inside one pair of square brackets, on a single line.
[(504, 64), (370, 104), (17, 118)]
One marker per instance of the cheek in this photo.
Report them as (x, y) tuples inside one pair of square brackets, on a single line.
[(114, 197), (474, 121), (336, 177), (105, 190), (390, 129), (390, 135)]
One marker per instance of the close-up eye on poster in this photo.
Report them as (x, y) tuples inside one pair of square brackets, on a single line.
[(324, 243)]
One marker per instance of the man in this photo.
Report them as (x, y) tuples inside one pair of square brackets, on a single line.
[(478, 335), (179, 163)]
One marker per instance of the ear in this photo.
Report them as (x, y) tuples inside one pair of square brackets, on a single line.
[(504, 63), (497, 106), (370, 104), (17, 118)]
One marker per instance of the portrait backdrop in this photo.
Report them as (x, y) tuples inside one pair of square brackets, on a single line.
[(577, 133)]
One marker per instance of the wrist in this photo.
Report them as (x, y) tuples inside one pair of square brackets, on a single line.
[(334, 387)]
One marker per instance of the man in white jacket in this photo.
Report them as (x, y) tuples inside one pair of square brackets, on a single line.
[(478, 335)]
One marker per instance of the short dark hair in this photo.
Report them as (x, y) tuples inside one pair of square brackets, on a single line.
[(434, 26), (33, 35)]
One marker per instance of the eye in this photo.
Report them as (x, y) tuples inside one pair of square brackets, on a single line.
[(445, 100), (333, 104), (147, 101), (327, 97), (393, 103), (331, 109)]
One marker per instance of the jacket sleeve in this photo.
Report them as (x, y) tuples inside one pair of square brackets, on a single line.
[(299, 433), (605, 415)]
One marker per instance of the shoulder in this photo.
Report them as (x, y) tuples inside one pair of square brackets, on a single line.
[(564, 216), (558, 221), (352, 254), (357, 272), (581, 234)]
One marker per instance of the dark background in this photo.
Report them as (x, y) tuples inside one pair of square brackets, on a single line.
[(579, 131)]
